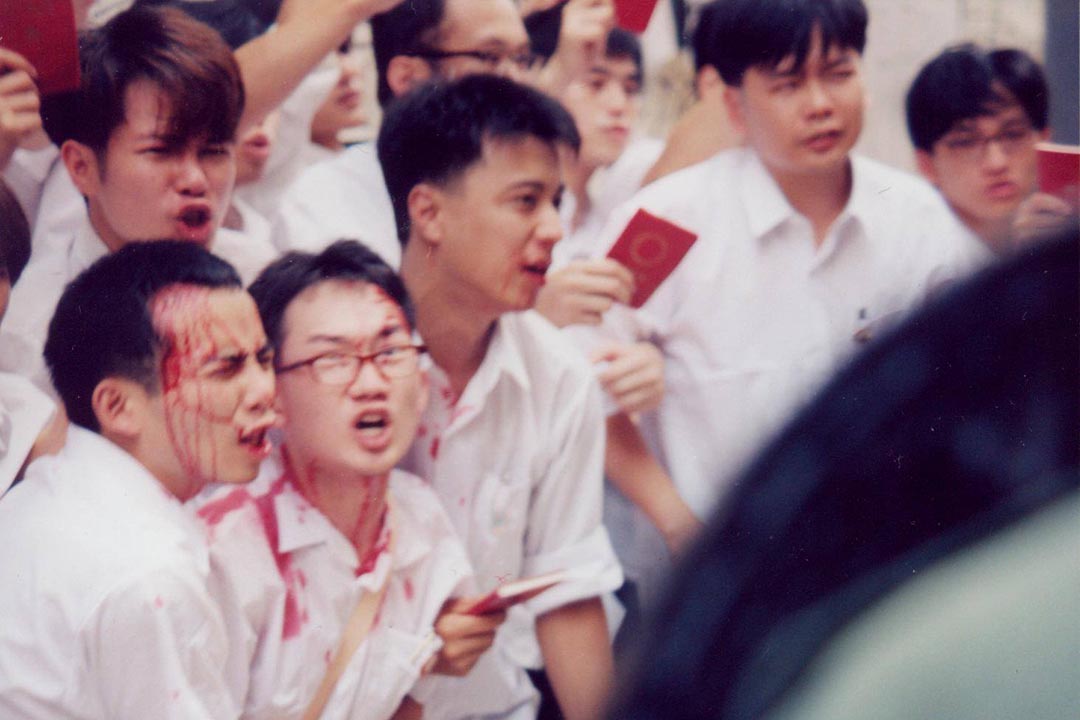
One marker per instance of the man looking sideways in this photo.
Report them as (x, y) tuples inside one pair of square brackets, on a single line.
[(330, 526), (161, 362), (513, 438)]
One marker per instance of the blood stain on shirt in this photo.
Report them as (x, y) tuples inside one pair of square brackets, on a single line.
[(158, 602), (434, 450), (409, 592)]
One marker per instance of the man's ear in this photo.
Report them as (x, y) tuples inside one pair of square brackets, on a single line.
[(708, 85), (924, 161), (733, 100), (425, 204), (404, 72), (120, 406), (83, 167)]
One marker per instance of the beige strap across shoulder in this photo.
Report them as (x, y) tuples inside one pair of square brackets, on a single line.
[(355, 631)]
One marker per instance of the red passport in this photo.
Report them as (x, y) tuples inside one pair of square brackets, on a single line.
[(634, 15), (1059, 171), (43, 31), (650, 247), (516, 591)]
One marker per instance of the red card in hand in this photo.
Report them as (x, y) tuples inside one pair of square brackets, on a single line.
[(43, 31), (516, 591), (650, 247), (1059, 171), (633, 15)]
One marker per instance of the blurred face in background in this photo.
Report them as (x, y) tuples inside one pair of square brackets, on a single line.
[(605, 104)]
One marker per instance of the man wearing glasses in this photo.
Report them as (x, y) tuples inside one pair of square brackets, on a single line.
[(329, 524), (975, 117), (413, 43)]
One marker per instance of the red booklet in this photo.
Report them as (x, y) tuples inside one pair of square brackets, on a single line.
[(1059, 171), (650, 247), (516, 591), (634, 15), (43, 31)]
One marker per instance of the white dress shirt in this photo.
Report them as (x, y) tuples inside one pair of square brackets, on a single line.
[(756, 317), (518, 462), (24, 412), (344, 197), (103, 595), (52, 267), (288, 582)]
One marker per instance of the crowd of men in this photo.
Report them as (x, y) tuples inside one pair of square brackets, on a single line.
[(277, 413)]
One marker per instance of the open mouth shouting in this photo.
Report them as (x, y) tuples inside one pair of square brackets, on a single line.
[(195, 222), (255, 439), (373, 429)]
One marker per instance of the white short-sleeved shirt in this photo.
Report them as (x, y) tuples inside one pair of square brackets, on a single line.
[(518, 461), (344, 197), (24, 412), (26, 173), (288, 582), (756, 317), (103, 595), (34, 298)]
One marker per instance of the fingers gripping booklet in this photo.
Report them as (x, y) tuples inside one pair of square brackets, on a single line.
[(44, 33), (650, 247), (516, 591)]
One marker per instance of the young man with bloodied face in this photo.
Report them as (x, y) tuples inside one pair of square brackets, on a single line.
[(329, 524), (513, 438), (161, 362)]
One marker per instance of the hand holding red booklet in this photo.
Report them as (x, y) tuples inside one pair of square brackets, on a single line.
[(650, 247), (516, 591), (43, 32), (634, 15), (1059, 171)]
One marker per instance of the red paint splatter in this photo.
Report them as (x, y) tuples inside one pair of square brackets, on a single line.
[(264, 504), (212, 513), (459, 411), (409, 592), (434, 451)]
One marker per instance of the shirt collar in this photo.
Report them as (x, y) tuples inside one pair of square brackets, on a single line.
[(504, 357), (86, 247), (766, 206), (115, 468), (301, 525)]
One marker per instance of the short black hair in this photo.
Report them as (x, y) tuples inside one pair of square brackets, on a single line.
[(235, 21), (14, 235), (403, 30), (544, 26), (103, 326), (346, 260), (188, 60), (736, 35), (437, 131), (967, 81)]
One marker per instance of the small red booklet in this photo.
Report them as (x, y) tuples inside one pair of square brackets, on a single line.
[(516, 591), (633, 15), (43, 31), (650, 247), (1059, 171)]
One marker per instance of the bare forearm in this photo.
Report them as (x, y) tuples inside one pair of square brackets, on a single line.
[(633, 470), (577, 657)]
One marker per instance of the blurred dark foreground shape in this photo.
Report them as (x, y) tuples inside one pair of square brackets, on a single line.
[(909, 547)]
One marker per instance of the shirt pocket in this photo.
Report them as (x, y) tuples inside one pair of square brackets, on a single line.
[(499, 518)]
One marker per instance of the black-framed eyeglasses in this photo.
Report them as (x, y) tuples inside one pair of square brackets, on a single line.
[(523, 61), (342, 368)]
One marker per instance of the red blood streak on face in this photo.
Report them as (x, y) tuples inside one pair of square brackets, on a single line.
[(184, 320)]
